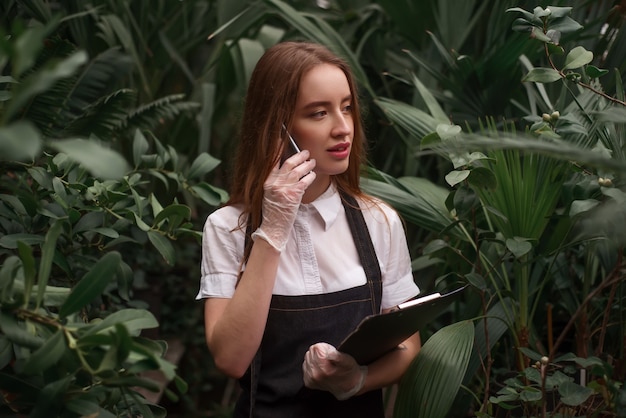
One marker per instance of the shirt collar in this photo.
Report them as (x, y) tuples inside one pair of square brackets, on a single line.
[(327, 205)]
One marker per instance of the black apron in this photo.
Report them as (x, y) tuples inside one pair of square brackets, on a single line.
[(273, 386)]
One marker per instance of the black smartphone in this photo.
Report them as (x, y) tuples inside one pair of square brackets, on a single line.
[(291, 148)]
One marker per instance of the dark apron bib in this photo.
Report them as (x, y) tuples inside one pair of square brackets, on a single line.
[(273, 386)]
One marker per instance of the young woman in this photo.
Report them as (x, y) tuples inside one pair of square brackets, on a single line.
[(300, 255)]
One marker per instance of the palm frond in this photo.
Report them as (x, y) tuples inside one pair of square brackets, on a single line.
[(430, 385), (62, 107), (103, 117), (418, 200), (158, 111), (99, 78)]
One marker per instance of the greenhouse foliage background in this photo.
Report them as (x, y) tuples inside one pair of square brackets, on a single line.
[(495, 128)]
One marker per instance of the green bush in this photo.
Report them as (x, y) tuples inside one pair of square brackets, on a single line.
[(78, 226)]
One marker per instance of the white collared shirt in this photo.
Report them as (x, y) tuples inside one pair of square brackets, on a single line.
[(320, 256)]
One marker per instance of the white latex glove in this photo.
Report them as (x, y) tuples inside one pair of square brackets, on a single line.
[(325, 368), (283, 191)]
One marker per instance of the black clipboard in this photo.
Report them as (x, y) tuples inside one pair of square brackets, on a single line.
[(376, 335)]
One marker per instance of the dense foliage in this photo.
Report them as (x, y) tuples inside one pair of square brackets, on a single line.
[(496, 128)]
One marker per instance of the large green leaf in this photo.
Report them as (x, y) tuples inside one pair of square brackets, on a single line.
[(47, 355), (135, 320), (318, 30), (102, 162), (28, 266), (163, 246), (19, 141), (429, 386), (203, 164), (41, 81), (92, 284), (17, 333), (418, 200), (415, 121), (47, 254)]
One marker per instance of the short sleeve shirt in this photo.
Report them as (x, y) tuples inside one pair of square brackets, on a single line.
[(320, 256)]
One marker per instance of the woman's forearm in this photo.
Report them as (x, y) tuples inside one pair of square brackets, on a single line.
[(390, 368), (234, 327)]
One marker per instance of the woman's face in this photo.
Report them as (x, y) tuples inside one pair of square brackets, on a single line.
[(322, 121)]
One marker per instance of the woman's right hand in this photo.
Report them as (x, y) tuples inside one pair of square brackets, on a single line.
[(283, 191)]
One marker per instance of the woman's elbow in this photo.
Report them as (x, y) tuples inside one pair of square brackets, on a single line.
[(231, 367)]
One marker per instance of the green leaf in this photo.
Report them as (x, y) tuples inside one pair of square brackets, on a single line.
[(559, 12), (565, 25), (537, 33), (29, 44), (581, 206), (612, 114), (419, 200), (434, 107), (130, 381), (135, 320), (518, 246), (11, 241), (28, 264), (163, 246), (17, 333), (107, 232), (47, 254), (542, 75), (47, 355), (100, 161), (140, 223), (430, 385), (20, 141), (211, 195), (457, 176), (92, 284), (476, 280), (527, 15), (203, 164), (114, 26), (8, 270), (595, 72), (430, 139), (577, 58), (573, 394), (41, 81), (55, 296), (181, 385), (140, 147), (87, 408), (175, 215), (446, 131), (483, 178), (530, 394)]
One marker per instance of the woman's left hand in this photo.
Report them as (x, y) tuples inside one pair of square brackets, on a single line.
[(325, 368)]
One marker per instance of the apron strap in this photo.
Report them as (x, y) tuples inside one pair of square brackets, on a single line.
[(365, 248)]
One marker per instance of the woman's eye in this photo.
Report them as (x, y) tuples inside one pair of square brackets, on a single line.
[(319, 114), (347, 109)]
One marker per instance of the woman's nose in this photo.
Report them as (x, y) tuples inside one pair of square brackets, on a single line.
[(343, 125)]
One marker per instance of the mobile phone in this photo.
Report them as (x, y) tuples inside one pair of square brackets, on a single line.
[(291, 148)]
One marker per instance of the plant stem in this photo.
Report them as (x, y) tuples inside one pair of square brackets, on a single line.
[(614, 277)]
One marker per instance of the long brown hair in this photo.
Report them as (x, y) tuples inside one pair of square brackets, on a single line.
[(270, 102)]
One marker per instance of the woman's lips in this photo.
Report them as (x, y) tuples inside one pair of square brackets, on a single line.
[(340, 151)]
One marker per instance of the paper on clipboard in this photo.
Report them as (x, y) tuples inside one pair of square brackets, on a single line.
[(376, 335)]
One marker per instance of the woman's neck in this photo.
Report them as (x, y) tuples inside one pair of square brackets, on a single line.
[(316, 189)]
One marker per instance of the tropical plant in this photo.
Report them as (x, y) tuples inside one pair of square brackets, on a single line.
[(521, 203), (74, 217)]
